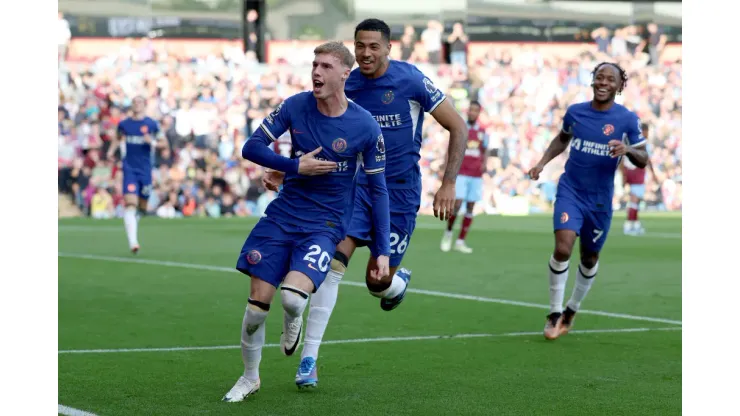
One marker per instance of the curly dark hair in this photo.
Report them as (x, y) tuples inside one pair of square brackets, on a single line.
[(622, 74)]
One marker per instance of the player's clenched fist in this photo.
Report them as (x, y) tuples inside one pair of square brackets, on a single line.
[(310, 166), (273, 179), (534, 173)]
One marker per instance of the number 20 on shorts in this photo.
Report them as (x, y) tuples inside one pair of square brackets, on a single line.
[(324, 258)]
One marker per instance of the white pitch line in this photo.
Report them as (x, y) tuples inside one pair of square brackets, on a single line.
[(358, 284), (368, 340), (71, 411)]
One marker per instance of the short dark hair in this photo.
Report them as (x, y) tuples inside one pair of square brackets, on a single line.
[(622, 74), (374, 25), (475, 102)]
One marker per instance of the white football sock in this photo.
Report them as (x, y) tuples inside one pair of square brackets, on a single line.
[(131, 225), (397, 286), (322, 304), (253, 339), (558, 279), (584, 280)]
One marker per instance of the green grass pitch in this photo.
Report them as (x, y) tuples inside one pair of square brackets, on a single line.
[(467, 341)]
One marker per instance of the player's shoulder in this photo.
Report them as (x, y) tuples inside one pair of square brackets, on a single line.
[(355, 80), (361, 115), (579, 107), (404, 69), (623, 111), (303, 98)]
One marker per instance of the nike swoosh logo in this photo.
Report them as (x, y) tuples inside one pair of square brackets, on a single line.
[(297, 131)]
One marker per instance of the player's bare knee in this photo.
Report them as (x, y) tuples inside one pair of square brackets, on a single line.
[(563, 250), (589, 260), (294, 299)]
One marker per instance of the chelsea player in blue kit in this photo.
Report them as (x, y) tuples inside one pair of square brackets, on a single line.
[(292, 245), (600, 133), (397, 94), (138, 136)]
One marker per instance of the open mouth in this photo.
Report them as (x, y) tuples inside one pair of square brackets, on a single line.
[(366, 63), (317, 85), (602, 91)]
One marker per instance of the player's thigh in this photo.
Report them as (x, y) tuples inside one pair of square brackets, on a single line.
[(266, 253), (595, 230), (130, 189), (567, 221), (461, 187), (312, 256), (475, 190), (567, 215), (637, 191), (360, 227), (348, 246), (145, 188)]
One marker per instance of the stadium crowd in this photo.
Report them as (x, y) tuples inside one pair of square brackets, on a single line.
[(209, 105)]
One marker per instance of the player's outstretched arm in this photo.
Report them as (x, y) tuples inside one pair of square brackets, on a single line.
[(556, 147)]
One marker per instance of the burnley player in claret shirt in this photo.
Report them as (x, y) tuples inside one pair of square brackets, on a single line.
[(635, 178), (600, 132), (469, 186)]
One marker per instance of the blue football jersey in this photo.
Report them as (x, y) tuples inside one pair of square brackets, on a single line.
[(397, 100), (136, 154), (323, 202), (589, 171)]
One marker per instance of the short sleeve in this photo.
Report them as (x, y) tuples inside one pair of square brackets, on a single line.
[(634, 132), (278, 121), (568, 121), (425, 92)]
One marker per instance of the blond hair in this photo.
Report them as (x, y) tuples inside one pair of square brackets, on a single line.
[(338, 50)]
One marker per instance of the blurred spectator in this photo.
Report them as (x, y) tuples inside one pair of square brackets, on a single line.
[(653, 42), (431, 37), (64, 35), (458, 42), (408, 44), (101, 205), (601, 37)]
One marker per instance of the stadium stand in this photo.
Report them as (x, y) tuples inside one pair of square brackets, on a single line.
[(209, 100)]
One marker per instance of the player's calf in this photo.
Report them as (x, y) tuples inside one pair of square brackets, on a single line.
[(252, 341), (584, 279), (558, 278)]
